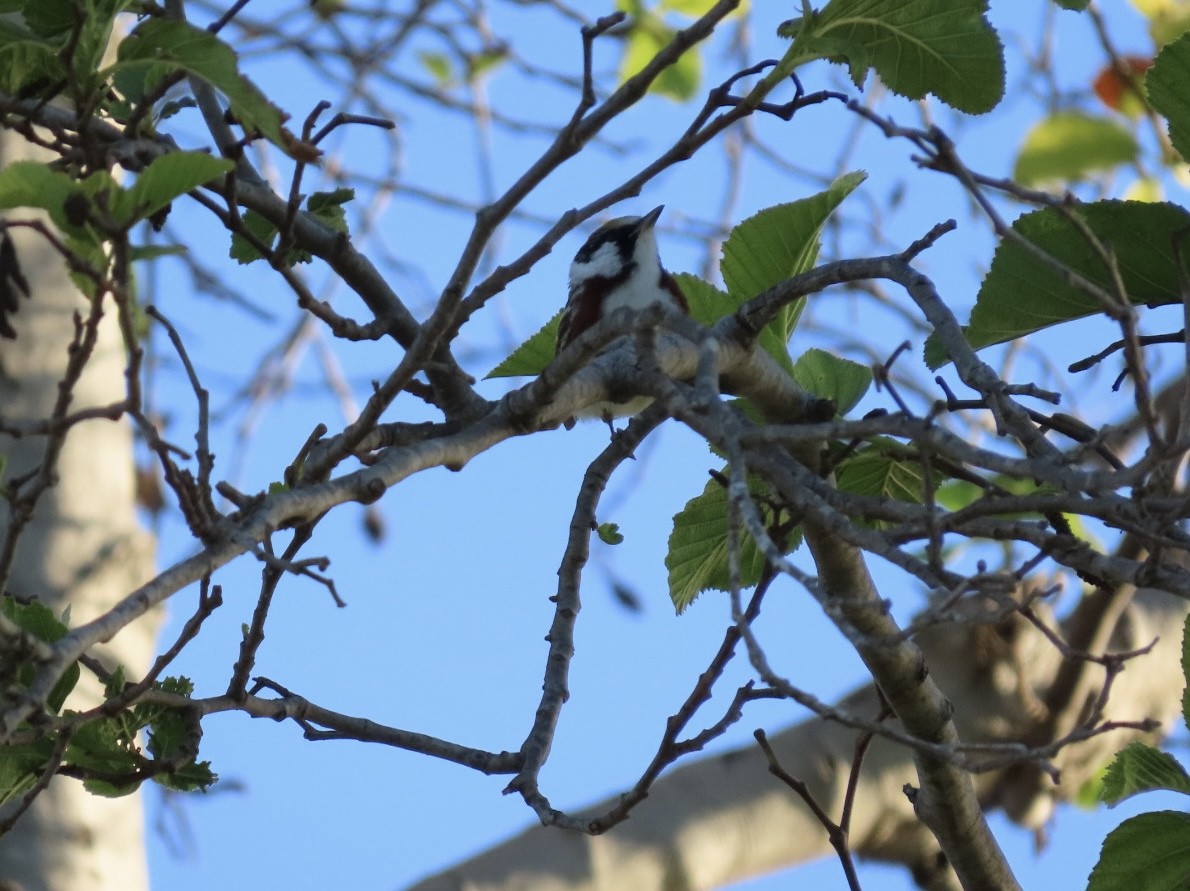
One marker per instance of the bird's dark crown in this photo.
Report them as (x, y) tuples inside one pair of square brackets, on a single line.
[(622, 232)]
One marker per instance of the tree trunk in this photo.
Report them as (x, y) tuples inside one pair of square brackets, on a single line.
[(722, 819), (83, 550)]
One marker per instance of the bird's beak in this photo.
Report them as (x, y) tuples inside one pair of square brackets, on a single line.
[(649, 220)]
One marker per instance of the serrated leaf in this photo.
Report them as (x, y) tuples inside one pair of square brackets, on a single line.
[(780, 241), (1148, 852), (26, 60), (243, 250), (328, 207), (165, 43), (1142, 768), (1168, 86), (943, 47), (697, 553), (1021, 294), (193, 777), (707, 303), (179, 685), (34, 618), (775, 244), (531, 357), (831, 377), (882, 469), (171, 176), (1069, 144)]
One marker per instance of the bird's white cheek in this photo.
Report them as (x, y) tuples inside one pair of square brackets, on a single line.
[(604, 263)]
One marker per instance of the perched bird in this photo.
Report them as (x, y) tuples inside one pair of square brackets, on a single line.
[(618, 266)]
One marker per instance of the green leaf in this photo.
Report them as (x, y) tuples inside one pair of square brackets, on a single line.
[(1090, 794), (1076, 5), (480, 64), (1149, 852), (27, 61), (706, 302), (243, 250), (1021, 294), (1186, 672), (21, 765), (115, 683), (34, 618), (831, 377), (51, 18), (106, 746), (691, 8), (780, 241), (172, 175), (697, 551), (150, 252), (650, 35), (38, 620), (31, 184), (944, 47), (957, 494), (327, 207), (196, 776), (1168, 86), (1142, 768), (531, 357), (1168, 19), (609, 533), (166, 44), (882, 469), (439, 67), (776, 244), (1069, 144)]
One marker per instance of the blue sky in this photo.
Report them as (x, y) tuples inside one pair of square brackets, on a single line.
[(445, 618)]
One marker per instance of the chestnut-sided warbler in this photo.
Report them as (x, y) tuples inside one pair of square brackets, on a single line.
[(618, 266)]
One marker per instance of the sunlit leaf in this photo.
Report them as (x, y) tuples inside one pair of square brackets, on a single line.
[(1022, 294), (943, 47), (1069, 144), (1142, 768)]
